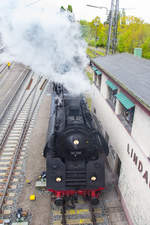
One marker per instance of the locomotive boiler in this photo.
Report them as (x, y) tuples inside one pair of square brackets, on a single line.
[(75, 150)]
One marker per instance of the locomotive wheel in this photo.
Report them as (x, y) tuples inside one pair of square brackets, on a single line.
[(58, 201), (94, 201)]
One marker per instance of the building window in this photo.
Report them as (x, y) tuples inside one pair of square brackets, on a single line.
[(97, 78), (112, 91), (98, 82), (127, 110), (128, 114), (112, 96)]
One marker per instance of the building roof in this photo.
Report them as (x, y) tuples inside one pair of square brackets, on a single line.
[(131, 72)]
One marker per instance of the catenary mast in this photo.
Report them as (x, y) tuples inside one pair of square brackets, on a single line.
[(115, 27), (110, 27)]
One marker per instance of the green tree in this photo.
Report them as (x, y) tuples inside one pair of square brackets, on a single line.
[(70, 8), (146, 48), (97, 32), (131, 33), (62, 9)]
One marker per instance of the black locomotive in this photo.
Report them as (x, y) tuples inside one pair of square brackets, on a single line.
[(75, 151)]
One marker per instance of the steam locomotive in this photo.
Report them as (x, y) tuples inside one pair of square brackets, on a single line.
[(75, 150)]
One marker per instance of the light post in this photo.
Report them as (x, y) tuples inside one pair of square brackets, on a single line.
[(99, 7), (110, 22)]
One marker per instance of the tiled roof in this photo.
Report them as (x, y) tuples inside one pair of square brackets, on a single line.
[(130, 71)]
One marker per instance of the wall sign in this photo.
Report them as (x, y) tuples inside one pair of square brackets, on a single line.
[(139, 164)]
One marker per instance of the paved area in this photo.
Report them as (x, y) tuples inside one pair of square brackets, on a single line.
[(112, 202), (39, 209)]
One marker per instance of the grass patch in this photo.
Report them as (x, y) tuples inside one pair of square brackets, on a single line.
[(90, 76), (89, 102), (90, 53), (100, 53)]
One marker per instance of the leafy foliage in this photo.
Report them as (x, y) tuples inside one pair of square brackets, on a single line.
[(146, 48), (69, 8), (90, 53), (90, 76), (62, 8), (95, 32), (132, 33)]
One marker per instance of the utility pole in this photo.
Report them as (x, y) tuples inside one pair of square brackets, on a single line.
[(110, 27), (115, 27)]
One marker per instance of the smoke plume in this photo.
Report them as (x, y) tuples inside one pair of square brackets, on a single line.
[(40, 36)]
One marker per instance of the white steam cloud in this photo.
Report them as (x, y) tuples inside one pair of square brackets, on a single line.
[(46, 40)]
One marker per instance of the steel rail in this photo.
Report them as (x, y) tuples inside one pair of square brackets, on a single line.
[(3, 68), (12, 119), (43, 87), (15, 116), (20, 144), (5, 74), (63, 212), (93, 217), (10, 98), (105, 210)]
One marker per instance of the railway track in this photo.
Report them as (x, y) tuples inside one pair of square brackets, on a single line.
[(14, 136), (10, 84), (4, 73), (83, 213), (11, 94), (86, 214), (2, 68)]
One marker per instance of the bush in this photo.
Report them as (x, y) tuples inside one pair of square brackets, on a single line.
[(146, 48), (92, 43)]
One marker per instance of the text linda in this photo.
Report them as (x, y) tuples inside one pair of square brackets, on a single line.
[(139, 165)]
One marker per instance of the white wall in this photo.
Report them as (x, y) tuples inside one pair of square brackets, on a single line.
[(133, 187), (141, 130), (104, 88)]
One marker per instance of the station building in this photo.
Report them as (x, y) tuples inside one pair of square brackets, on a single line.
[(121, 102)]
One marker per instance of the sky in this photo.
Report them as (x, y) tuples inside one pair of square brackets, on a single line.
[(138, 8)]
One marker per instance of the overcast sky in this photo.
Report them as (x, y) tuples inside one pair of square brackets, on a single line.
[(139, 8)]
